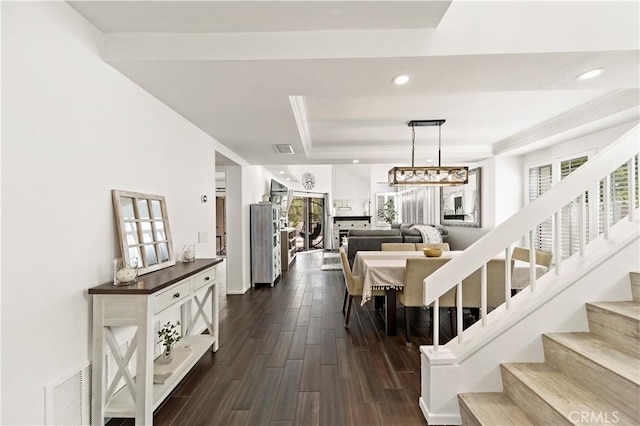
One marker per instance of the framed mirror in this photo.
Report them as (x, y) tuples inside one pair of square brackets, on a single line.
[(143, 230), (460, 205)]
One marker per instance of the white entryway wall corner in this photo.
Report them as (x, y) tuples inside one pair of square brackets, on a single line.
[(73, 129)]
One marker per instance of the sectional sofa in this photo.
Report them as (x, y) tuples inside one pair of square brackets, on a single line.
[(371, 239)]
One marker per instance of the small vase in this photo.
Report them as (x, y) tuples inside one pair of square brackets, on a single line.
[(167, 355)]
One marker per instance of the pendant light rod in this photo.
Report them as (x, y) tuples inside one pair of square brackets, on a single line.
[(439, 143), (413, 143), (424, 123)]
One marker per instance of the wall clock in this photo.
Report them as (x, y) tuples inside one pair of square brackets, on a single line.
[(308, 181)]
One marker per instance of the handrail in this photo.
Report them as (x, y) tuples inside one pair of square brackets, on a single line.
[(558, 196)]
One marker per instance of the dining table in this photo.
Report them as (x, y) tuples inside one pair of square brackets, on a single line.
[(384, 270)]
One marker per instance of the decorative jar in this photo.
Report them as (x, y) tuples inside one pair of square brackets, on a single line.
[(125, 271), (188, 253)]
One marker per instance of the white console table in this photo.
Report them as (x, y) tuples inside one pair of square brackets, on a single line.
[(188, 285)]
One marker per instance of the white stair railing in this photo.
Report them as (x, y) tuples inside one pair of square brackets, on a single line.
[(596, 172)]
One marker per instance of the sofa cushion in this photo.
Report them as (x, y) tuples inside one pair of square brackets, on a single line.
[(369, 240), (374, 233), (413, 235)]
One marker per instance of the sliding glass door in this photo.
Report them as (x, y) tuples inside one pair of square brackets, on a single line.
[(306, 214)]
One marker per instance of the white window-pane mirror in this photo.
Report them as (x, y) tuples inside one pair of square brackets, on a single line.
[(160, 235), (150, 254), (143, 229), (143, 209), (156, 209), (164, 252), (127, 208), (131, 230), (147, 234), (134, 252)]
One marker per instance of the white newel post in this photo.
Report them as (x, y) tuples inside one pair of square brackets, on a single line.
[(440, 386)]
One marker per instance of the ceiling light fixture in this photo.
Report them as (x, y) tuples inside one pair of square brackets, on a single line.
[(355, 161), (590, 74), (401, 79), (427, 175)]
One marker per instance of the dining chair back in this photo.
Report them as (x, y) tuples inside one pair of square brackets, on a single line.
[(471, 286), (441, 246), (543, 258), (398, 247), (412, 294), (353, 286)]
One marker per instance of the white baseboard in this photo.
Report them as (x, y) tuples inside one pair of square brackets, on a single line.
[(439, 419)]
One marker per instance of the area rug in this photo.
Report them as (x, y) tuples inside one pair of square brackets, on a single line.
[(331, 262)]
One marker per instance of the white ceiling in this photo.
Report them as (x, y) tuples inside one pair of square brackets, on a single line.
[(317, 74)]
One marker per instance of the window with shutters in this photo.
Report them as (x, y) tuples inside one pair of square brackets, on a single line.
[(618, 193), (570, 215), (540, 180)]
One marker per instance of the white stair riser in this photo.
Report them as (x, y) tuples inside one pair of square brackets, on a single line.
[(614, 389), (635, 285), (623, 332), (529, 401)]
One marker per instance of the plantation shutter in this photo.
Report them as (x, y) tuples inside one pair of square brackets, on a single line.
[(570, 215), (618, 193), (539, 183)]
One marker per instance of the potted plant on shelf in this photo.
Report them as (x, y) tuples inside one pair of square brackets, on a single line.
[(388, 211), (168, 335)]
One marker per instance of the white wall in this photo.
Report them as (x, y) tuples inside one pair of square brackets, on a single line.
[(351, 181), (591, 142), (509, 197), (74, 128), (236, 263), (0, 228)]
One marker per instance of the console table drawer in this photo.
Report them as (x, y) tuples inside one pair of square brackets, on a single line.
[(204, 278), (175, 294)]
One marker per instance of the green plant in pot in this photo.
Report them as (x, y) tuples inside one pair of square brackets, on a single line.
[(388, 211), (168, 335)]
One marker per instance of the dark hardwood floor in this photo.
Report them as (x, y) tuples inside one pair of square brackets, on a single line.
[(285, 358)]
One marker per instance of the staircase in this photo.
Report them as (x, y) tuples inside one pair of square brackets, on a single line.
[(587, 378)]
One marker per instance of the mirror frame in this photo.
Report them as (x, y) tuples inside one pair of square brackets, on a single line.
[(121, 221), (477, 203)]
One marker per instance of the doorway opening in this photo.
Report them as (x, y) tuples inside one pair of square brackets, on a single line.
[(306, 214), (221, 226)]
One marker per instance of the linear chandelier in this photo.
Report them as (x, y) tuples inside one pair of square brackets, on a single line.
[(427, 175)]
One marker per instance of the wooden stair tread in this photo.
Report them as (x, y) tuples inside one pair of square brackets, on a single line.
[(560, 392), (630, 309), (601, 352), (494, 408)]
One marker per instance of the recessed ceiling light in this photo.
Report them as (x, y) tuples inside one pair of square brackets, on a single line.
[(288, 178), (281, 172), (401, 79), (590, 74), (355, 161)]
